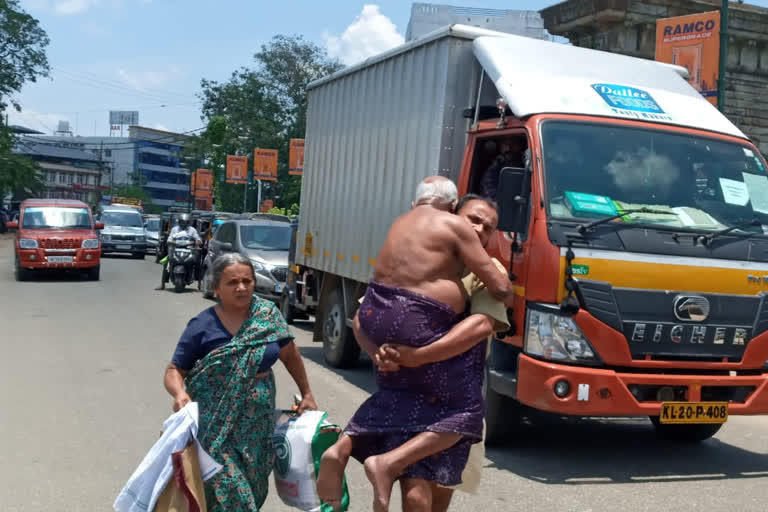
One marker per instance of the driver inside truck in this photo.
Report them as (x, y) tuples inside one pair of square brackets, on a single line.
[(510, 155)]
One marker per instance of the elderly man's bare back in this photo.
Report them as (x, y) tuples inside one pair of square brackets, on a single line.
[(426, 252)]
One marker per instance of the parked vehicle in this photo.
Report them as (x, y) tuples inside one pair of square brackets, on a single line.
[(54, 235), (123, 231), (264, 242), (633, 222), (152, 232)]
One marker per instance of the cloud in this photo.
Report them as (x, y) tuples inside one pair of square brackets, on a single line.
[(73, 6), (40, 121), (371, 33), (149, 79)]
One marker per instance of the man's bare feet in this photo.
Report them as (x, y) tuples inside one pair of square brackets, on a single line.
[(331, 477), (380, 474)]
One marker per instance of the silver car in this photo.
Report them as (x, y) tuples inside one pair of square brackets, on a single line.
[(264, 242), (123, 231), (152, 233)]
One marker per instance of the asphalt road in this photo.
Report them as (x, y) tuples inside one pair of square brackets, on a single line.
[(81, 402)]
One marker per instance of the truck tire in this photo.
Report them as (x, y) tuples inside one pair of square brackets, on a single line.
[(93, 273), (501, 415), (340, 349), (694, 433), (286, 309), (20, 272)]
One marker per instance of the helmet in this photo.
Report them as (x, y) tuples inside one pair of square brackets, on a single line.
[(184, 221)]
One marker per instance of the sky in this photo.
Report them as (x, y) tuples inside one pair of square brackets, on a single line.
[(150, 55)]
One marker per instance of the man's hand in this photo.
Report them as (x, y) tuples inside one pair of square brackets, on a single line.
[(180, 400), (402, 355), (307, 404), (383, 362)]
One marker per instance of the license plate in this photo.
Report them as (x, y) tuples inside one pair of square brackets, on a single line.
[(694, 412), (278, 288), (123, 247), (60, 259)]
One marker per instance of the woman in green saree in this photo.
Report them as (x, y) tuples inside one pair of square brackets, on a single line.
[(223, 361)]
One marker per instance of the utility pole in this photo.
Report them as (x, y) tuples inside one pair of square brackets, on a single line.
[(723, 56)]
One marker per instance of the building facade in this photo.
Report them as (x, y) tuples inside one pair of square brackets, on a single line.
[(426, 18), (158, 157), (68, 173), (629, 27)]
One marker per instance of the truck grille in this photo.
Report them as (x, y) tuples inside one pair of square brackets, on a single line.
[(655, 329), (59, 243), (280, 273), (123, 238)]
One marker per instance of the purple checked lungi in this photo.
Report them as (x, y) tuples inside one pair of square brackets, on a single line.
[(439, 397)]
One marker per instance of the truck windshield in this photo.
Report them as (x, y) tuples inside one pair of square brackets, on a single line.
[(126, 219), (266, 238), (52, 217), (690, 182)]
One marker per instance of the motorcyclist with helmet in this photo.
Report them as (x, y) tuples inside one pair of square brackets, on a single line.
[(183, 231)]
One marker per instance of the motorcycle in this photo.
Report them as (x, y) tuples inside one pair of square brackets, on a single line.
[(183, 265)]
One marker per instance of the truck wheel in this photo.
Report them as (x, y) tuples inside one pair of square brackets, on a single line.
[(93, 273), (178, 283), (339, 346), (20, 272), (286, 309), (501, 415), (685, 433)]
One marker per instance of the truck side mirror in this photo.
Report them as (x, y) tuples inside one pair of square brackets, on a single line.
[(12, 224), (98, 225), (513, 194)]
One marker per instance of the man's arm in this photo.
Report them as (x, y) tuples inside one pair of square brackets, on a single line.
[(371, 348), (474, 257), (462, 337)]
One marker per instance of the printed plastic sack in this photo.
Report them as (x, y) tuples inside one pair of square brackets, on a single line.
[(299, 443)]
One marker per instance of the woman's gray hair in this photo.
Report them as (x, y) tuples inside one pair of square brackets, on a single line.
[(437, 187), (225, 261)]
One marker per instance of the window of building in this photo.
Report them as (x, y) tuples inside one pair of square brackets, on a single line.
[(69, 178), (79, 178), (62, 178), (108, 153)]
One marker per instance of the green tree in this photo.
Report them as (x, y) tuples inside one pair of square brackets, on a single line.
[(22, 59), (262, 107)]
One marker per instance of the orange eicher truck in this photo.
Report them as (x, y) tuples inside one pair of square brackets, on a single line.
[(633, 221)]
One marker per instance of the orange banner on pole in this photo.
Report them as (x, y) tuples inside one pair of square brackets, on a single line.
[(192, 175), (265, 164), (204, 183), (692, 42), (296, 157), (237, 169)]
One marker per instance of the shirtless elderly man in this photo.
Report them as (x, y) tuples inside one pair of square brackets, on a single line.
[(426, 416)]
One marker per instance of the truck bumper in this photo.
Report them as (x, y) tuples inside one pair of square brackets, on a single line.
[(601, 392), (37, 259)]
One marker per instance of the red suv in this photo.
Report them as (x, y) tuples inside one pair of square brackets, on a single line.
[(56, 234)]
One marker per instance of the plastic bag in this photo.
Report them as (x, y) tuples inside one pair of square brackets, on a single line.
[(299, 443)]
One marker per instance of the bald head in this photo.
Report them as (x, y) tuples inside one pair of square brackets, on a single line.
[(438, 192)]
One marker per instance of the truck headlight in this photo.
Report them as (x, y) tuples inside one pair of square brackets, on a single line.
[(90, 243), (28, 243), (140, 238), (105, 237), (552, 335)]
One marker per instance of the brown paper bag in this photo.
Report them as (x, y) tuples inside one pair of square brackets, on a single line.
[(184, 492)]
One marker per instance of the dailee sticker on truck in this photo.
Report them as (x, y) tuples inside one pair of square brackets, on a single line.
[(631, 102)]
